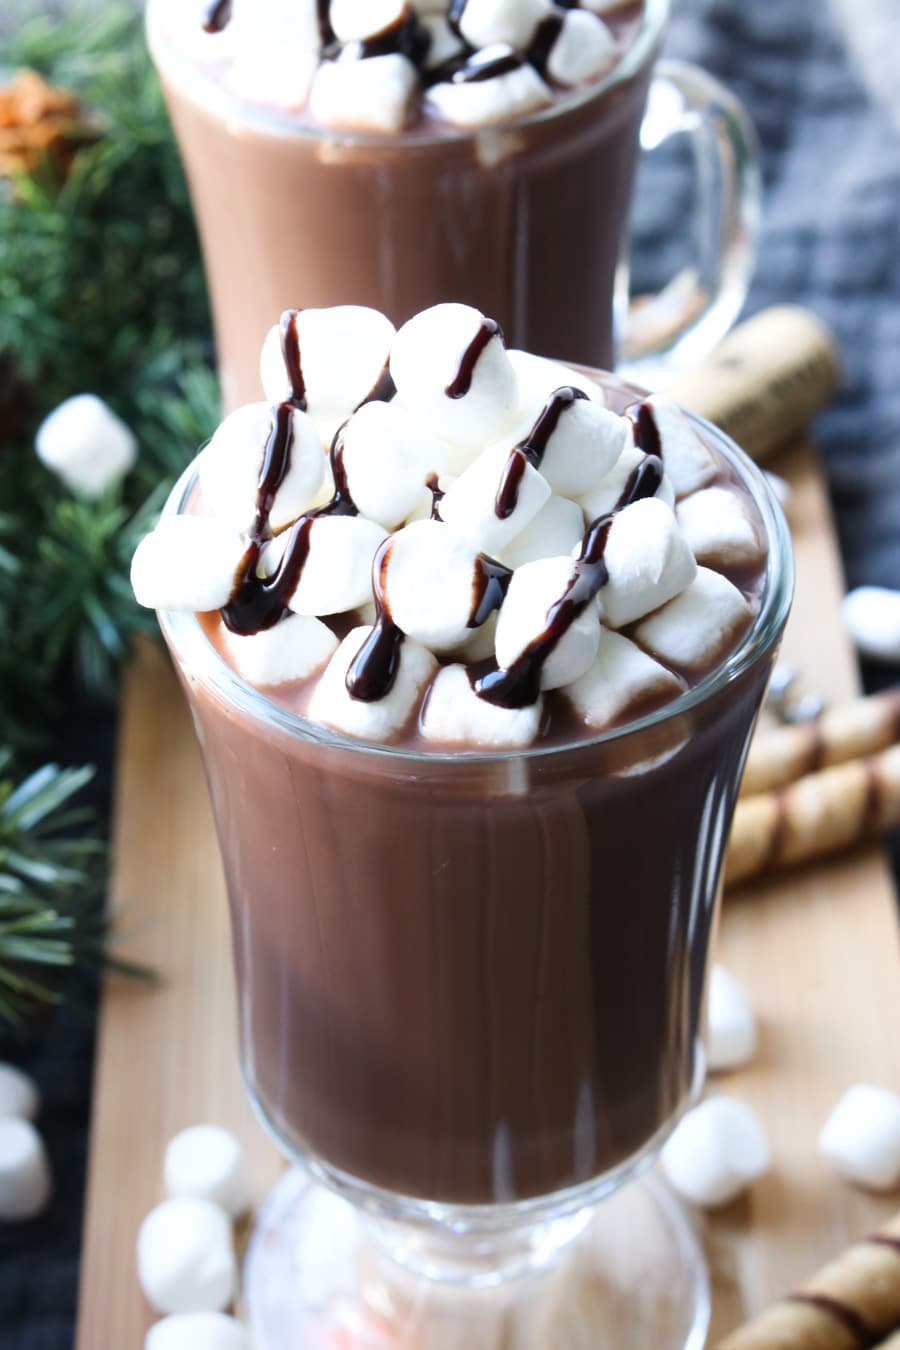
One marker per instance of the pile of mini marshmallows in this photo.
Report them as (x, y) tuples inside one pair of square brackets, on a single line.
[(665, 556), (185, 1248), (473, 63), (720, 1147)]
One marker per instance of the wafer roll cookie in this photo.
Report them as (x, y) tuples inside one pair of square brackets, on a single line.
[(766, 380), (845, 732), (819, 814), (851, 1304)]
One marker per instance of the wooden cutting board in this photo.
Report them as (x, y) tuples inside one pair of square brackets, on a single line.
[(817, 948)]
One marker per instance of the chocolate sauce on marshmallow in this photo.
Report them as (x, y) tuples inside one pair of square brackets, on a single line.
[(435, 486)]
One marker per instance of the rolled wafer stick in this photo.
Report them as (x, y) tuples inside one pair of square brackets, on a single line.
[(819, 814), (842, 733), (853, 1303)]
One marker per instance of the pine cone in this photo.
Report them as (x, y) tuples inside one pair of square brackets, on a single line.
[(39, 125)]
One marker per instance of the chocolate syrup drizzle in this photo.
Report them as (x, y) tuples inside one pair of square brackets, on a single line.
[(217, 16), (532, 449), (461, 383), (519, 685), (543, 42), (290, 352), (373, 671), (646, 432)]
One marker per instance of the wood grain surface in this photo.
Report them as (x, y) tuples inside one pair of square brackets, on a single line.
[(817, 948)]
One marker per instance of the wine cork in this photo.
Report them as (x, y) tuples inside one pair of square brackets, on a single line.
[(819, 814), (847, 731), (853, 1303), (766, 380)]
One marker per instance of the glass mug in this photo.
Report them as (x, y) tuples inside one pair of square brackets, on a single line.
[(470, 994), (526, 221)]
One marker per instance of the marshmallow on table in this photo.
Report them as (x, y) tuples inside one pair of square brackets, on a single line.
[(18, 1094), (604, 496), (717, 525), (556, 530), (715, 1152), (861, 1137), (372, 94), (429, 576), (584, 49), (427, 358), (25, 1181), (685, 458), (185, 1257), (354, 20), (387, 460), (86, 444), (648, 561), (453, 713), (206, 1162), (337, 570), (293, 649), (483, 22), (469, 507), (343, 351), (621, 678), (197, 1331), (229, 467), (533, 591), (583, 446), (700, 623), (871, 616), (497, 97), (187, 563), (730, 1025), (333, 705)]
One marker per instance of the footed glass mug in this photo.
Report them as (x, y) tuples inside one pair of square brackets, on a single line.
[(524, 220), (470, 996)]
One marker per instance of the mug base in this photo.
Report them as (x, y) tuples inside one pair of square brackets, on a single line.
[(626, 1274)]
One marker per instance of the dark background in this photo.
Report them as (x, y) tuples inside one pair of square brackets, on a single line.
[(818, 79)]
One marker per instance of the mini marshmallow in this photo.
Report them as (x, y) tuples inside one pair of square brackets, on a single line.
[(479, 646), (19, 1094), (871, 616), (533, 591), (584, 49), (229, 467), (694, 628), (718, 528), (337, 571), (197, 1331), (272, 72), (716, 1152), (185, 1257), (469, 505), (648, 561), (685, 458), (387, 460), (454, 714), (444, 44), (333, 705), (555, 530), (206, 1162), (427, 357), (371, 95), (503, 97), (343, 351), (25, 1181), (604, 496), (484, 22), (294, 649), (538, 376), (429, 580), (86, 444), (861, 1137), (621, 678), (602, 6), (584, 446), (354, 20), (292, 23), (730, 1024), (187, 563)]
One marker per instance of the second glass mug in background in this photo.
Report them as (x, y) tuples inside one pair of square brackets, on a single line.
[(525, 221)]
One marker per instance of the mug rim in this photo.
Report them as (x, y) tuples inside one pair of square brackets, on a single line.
[(192, 78), (200, 659)]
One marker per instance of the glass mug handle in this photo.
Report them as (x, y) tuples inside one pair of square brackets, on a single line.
[(661, 334)]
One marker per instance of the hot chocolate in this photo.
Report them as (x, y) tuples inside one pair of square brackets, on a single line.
[(474, 693)]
